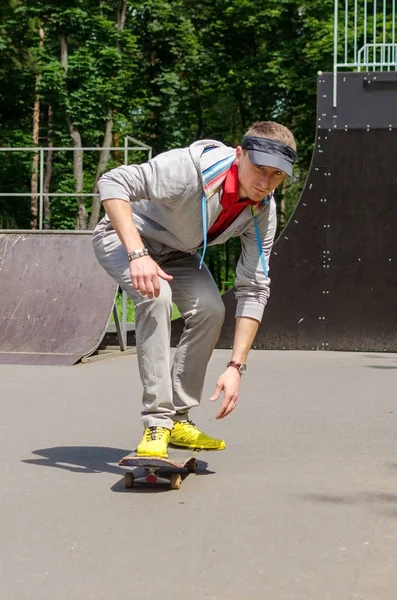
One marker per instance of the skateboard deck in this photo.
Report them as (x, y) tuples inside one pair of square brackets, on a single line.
[(158, 469)]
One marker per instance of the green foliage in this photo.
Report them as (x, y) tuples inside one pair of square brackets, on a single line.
[(63, 208), (131, 309), (173, 72)]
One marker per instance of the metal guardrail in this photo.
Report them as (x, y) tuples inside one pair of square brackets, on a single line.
[(367, 33), (121, 328)]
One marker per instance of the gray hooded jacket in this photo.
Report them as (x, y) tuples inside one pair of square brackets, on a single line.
[(176, 199)]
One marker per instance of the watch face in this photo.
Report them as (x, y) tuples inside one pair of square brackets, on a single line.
[(243, 369)]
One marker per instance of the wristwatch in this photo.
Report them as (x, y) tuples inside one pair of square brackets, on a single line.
[(137, 253), (241, 367)]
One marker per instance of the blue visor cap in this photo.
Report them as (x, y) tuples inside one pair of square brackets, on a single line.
[(269, 153)]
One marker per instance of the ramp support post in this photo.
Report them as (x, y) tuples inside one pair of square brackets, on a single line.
[(122, 341)]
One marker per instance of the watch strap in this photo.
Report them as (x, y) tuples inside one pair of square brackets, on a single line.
[(241, 367), (137, 253)]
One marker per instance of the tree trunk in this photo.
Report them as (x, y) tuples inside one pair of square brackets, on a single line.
[(48, 171), (282, 213), (34, 180), (81, 218), (108, 135), (36, 132), (219, 268), (116, 144), (282, 206), (121, 17), (227, 260), (102, 163), (64, 52)]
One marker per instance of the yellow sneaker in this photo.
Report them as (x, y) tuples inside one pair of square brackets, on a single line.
[(185, 434), (154, 442)]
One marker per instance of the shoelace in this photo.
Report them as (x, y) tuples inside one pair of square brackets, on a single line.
[(154, 433), (193, 425)]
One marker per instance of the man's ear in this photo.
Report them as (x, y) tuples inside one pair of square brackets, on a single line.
[(239, 154)]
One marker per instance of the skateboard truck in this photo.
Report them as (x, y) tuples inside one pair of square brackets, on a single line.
[(158, 469)]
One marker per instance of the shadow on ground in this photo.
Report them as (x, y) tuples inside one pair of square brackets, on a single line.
[(380, 357), (386, 502), (98, 459), (80, 459)]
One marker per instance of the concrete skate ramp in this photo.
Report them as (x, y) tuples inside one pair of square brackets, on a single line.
[(334, 267), (55, 299)]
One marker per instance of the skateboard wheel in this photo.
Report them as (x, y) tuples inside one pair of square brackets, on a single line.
[(129, 480), (192, 465), (175, 481)]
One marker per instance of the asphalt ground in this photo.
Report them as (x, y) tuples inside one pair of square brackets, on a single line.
[(302, 504)]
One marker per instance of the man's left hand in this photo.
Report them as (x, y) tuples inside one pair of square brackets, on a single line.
[(229, 384)]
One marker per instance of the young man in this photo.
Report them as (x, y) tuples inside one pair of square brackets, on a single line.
[(158, 215)]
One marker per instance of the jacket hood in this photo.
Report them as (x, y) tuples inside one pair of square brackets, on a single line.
[(211, 166)]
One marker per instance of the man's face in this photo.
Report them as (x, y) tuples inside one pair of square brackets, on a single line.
[(255, 182)]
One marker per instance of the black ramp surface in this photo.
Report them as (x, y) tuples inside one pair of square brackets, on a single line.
[(55, 299), (334, 268)]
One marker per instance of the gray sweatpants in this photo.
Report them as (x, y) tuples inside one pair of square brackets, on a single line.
[(170, 388)]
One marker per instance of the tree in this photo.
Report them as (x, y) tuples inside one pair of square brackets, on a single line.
[(164, 71)]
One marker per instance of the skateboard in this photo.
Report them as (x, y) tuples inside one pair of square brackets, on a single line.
[(158, 469)]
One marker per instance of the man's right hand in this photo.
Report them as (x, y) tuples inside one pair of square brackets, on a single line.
[(145, 273)]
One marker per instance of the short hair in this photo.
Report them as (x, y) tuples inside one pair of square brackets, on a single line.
[(272, 131)]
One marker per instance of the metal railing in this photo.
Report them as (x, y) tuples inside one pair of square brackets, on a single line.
[(41, 150), (364, 36), (41, 194)]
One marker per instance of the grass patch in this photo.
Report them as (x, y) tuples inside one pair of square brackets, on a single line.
[(131, 309)]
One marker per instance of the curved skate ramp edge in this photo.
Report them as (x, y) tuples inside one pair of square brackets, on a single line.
[(55, 299), (334, 267)]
